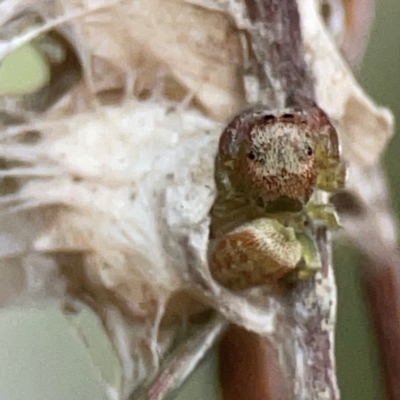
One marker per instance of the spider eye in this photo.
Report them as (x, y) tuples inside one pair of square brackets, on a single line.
[(251, 156), (309, 150), (268, 118)]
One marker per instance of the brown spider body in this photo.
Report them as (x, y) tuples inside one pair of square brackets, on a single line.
[(267, 166)]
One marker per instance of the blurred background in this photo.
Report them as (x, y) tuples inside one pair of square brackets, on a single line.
[(43, 359)]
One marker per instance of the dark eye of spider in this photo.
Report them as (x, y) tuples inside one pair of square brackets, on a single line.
[(309, 151), (268, 118), (251, 156)]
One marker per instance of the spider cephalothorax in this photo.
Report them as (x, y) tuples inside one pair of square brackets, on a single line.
[(279, 158)]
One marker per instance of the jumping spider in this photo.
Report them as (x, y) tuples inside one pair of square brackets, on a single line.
[(267, 169)]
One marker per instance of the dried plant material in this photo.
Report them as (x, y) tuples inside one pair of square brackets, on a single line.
[(108, 182), (358, 17), (338, 93), (102, 229), (180, 364), (249, 367), (349, 22), (126, 43)]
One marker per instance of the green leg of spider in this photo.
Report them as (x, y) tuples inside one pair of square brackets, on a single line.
[(310, 261)]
